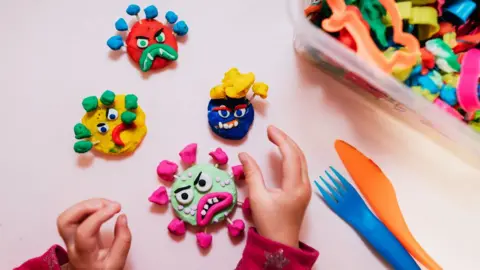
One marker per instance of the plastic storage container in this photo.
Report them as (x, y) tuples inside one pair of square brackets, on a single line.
[(383, 90)]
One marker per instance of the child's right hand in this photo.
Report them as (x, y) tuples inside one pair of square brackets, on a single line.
[(79, 226), (278, 212)]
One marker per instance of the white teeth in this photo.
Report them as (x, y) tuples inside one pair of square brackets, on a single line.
[(186, 210), (235, 123), (150, 57), (230, 126), (227, 182), (194, 207), (222, 184), (193, 213), (215, 200), (180, 207), (205, 207), (217, 179), (203, 212), (210, 201), (220, 125)]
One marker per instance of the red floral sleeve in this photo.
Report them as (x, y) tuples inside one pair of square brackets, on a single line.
[(53, 259), (262, 253)]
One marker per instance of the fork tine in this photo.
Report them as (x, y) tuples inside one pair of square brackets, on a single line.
[(335, 193), (339, 187), (326, 196), (344, 181)]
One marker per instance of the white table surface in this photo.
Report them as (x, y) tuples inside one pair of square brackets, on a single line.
[(53, 54)]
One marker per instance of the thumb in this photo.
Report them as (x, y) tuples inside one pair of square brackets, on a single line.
[(121, 244), (253, 174)]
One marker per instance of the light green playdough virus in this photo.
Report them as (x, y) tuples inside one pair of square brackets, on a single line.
[(203, 195)]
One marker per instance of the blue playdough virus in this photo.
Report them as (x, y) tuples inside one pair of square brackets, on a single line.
[(230, 118)]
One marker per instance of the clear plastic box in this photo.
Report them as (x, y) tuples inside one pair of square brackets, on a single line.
[(383, 90)]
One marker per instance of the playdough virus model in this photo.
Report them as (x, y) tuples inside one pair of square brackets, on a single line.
[(113, 124), (150, 43), (230, 112), (202, 195)]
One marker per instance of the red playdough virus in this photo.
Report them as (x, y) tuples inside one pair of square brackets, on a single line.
[(150, 43)]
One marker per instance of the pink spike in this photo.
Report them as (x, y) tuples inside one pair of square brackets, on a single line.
[(238, 173), (204, 240), (167, 170), (236, 228), (189, 154), (219, 156), (177, 227), (159, 196), (247, 211)]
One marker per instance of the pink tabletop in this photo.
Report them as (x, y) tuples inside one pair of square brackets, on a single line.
[(54, 54)]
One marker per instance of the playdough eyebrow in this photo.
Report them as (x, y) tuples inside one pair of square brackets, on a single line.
[(141, 37), (181, 189), (221, 108), (159, 32), (241, 106), (197, 179)]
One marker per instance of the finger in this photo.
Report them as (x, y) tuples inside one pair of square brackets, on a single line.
[(292, 162), (68, 221), (253, 174), (87, 232), (121, 244)]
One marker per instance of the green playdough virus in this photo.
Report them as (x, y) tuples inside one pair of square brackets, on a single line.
[(205, 193)]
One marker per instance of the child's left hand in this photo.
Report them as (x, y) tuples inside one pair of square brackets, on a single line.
[(79, 226)]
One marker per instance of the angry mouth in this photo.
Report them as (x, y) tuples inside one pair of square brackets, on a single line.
[(156, 50), (210, 204), (118, 130), (228, 125)]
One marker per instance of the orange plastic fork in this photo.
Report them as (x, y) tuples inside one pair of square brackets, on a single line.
[(380, 195)]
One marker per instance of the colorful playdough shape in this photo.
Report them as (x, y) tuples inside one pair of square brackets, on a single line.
[(467, 89), (150, 43), (167, 170), (201, 195), (104, 127), (349, 17), (219, 156), (230, 112), (189, 154)]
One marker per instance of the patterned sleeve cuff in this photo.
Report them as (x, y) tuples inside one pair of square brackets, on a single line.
[(262, 253), (53, 259)]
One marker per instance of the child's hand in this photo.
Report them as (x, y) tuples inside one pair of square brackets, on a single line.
[(278, 213), (79, 227)]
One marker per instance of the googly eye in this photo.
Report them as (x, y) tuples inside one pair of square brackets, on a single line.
[(142, 43), (239, 113), (112, 114), (160, 37), (224, 113), (185, 196), (203, 182), (102, 128)]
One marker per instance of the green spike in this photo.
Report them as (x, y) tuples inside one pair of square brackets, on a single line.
[(81, 131), (90, 103), (82, 146), (131, 102), (107, 98), (128, 117)]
